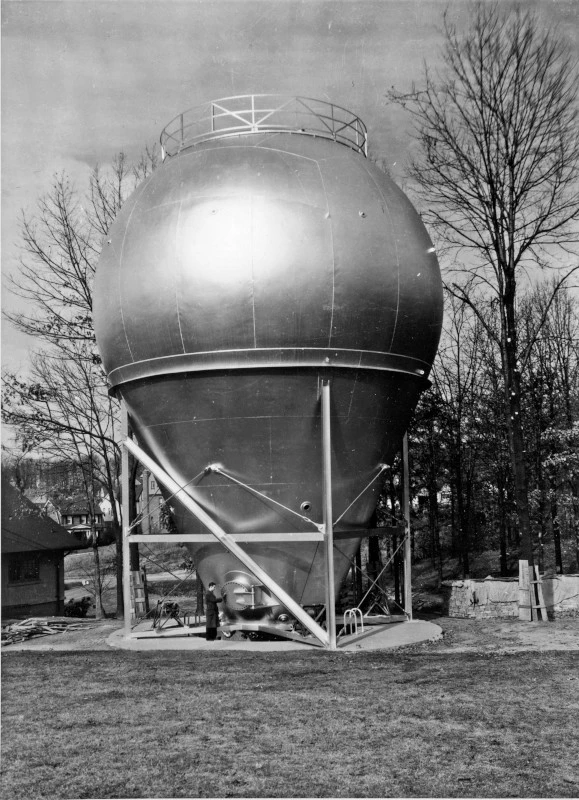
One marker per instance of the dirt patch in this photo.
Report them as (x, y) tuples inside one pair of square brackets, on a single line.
[(459, 635), (503, 635)]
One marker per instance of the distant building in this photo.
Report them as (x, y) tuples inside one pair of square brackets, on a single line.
[(75, 516), (150, 504), (33, 550)]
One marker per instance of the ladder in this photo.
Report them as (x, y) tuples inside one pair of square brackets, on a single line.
[(139, 594)]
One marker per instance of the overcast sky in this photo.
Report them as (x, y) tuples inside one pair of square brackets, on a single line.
[(84, 80)]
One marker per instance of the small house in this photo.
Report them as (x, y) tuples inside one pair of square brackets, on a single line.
[(33, 550), (75, 516)]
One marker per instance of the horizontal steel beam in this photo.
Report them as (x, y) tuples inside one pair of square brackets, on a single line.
[(204, 538), (294, 536)]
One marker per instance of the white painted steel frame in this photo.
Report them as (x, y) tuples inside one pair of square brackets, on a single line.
[(207, 538), (328, 526), (125, 517), (229, 541)]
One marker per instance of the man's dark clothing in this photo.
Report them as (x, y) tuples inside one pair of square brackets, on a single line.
[(212, 615)]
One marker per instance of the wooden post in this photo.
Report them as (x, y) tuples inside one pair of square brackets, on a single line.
[(138, 595), (525, 600), (407, 542), (146, 590), (541, 607), (125, 478)]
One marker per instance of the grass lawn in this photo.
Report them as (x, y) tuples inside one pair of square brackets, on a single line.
[(311, 724)]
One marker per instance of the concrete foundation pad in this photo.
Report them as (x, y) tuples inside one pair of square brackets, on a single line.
[(381, 637)]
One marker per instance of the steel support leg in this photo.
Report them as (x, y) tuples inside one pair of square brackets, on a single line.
[(407, 542), (220, 535), (125, 478), (328, 524)]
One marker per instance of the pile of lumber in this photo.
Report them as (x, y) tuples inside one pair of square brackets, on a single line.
[(41, 626)]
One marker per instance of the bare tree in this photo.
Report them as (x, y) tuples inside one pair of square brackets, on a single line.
[(552, 413), (462, 388), (61, 406), (497, 176), (60, 247)]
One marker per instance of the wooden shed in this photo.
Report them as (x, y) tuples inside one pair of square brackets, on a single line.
[(33, 550)]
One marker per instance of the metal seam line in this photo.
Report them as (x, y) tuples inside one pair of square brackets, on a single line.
[(329, 217), (397, 254), (179, 274), (251, 220), (133, 209)]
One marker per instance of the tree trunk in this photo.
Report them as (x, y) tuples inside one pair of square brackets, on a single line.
[(575, 519), (543, 502), (433, 522), (98, 591), (375, 564), (462, 521), (503, 531), (514, 424), (455, 544), (119, 569), (556, 537), (133, 548)]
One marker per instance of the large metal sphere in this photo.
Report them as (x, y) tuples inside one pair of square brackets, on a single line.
[(261, 242), (239, 274)]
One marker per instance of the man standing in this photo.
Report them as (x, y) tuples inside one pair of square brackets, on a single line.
[(212, 614)]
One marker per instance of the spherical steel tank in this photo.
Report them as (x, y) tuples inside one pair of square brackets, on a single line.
[(267, 254)]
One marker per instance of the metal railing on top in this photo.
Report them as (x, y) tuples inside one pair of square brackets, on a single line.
[(263, 113)]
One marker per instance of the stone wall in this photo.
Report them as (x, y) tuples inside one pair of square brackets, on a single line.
[(561, 593), (499, 597)]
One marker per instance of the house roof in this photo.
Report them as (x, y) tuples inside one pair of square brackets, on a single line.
[(78, 505), (25, 529)]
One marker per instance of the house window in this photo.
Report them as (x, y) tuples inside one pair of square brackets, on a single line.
[(24, 568), (153, 486)]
